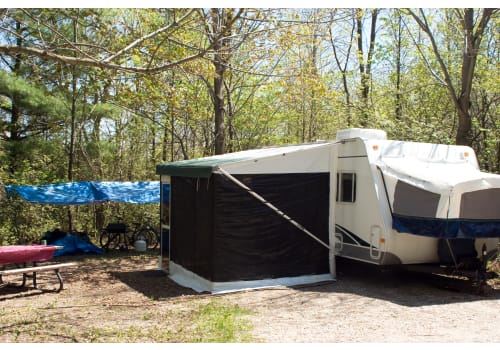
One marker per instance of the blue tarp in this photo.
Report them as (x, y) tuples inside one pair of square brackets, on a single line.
[(89, 192), (75, 245), (71, 243)]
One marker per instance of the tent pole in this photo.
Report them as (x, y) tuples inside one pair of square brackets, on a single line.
[(160, 258), (333, 157), (452, 253)]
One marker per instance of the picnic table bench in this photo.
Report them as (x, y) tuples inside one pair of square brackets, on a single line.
[(32, 254), (32, 271)]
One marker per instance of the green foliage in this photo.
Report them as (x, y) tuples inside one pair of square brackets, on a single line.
[(217, 323), (43, 111), (282, 85), (33, 99), (24, 223)]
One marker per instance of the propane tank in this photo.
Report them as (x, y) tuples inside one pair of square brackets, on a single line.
[(140, 245)]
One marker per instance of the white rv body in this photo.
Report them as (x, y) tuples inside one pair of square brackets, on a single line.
[(389, 203), (364, 226)]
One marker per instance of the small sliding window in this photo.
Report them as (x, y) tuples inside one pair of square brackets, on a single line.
[(346, 187)]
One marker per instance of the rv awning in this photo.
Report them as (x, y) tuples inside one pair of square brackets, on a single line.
[(204, 167), (88, 192)]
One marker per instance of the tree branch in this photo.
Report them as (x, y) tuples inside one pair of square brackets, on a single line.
[(106, 63), (424, 25), (148, 36), (48, 55), (70, 43)]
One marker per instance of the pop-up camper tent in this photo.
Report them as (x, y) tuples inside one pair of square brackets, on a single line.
[(251, 219), (451, 197), (271, 216)]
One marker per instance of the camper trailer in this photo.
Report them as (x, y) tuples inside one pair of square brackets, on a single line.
[(413, 203), (280, 216)]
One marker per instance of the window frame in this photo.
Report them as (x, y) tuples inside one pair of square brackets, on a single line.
[(342, 178)]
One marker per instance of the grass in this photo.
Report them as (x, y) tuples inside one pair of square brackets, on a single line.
[(218, 323), (210, 322), (74, 316)]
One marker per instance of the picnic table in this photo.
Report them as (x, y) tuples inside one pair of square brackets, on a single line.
[(29, 256)]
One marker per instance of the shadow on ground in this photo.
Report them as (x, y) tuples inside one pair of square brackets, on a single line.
[(410, 289), (137, 271), (407, 288), (154, 284), (14, 291)]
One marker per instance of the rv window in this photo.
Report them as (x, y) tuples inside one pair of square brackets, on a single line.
[(346, 187), (410, 200)]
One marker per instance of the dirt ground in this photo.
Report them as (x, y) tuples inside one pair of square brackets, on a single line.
[(128, 292)]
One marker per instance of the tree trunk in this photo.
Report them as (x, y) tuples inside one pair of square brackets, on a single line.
[(219, 109), (220, 19), (71, 152), (15, 114), (398, 69), (365, 66), (472, 42), (343, 67), (469, 58), (230, 117)]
